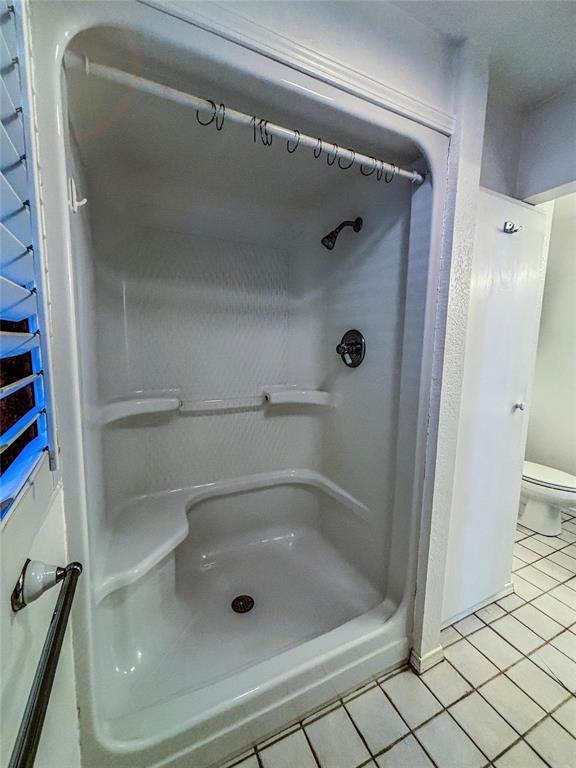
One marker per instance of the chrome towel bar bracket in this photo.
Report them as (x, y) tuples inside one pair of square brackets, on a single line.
[(34, 580)]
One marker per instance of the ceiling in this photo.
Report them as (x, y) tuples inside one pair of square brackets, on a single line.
[(532, 43)]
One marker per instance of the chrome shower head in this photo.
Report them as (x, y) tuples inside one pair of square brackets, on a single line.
[(329, 240)]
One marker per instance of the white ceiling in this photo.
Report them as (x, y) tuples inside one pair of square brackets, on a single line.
[(532, 43)]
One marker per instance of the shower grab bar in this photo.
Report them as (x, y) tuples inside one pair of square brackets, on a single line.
[(42, 577), (260, 127)]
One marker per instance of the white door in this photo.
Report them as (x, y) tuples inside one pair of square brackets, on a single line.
[(506, 296)]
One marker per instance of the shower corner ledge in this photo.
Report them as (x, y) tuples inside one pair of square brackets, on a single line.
[(148, 528)]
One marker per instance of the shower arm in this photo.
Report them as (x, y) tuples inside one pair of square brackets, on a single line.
[(368, 165)]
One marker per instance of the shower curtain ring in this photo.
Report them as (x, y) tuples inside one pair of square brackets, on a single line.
[(266, 136), (212, 118), (372, 169), (220, 115), (318, 149), (388, 180), (297, 138), (350, 164), (335, 148), (379, 169)]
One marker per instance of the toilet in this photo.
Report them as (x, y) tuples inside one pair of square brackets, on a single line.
[(544, 493)]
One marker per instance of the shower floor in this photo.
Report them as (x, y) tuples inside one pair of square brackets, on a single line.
[(301, 585)]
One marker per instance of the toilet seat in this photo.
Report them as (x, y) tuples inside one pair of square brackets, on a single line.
[(544, 492), (547, 477)]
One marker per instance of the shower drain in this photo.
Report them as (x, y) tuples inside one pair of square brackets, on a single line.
[(242, 604)]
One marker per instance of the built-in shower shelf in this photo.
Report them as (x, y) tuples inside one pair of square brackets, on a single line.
[(140, 405), (170, 401), (148, 528)]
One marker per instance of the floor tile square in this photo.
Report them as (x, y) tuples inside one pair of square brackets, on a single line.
[(566, 715), (245, 760), (448, 745), (490, 613), (554, 745), (523, 588), (517, 634), (537, 621), (471, 664), (519, 535), (552, 541), (487, 729), (538, 546), (567, 537), (411, 697), (565, 594), (558, 611), (556, 664), (523, 553), (336, 741), (449, 636), (571, 550), (554, 570), (520, 756), (510, 602), (517, 564), (290, 752), (538, 578), (406, 754), (537, 684), (251, 762), (500, 653), (376, 719), (469, 624), (566, 642), (564, 560), (512, 703), (446, 683)]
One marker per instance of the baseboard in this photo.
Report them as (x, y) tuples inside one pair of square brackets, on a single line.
[(508, 589), (424, 663)]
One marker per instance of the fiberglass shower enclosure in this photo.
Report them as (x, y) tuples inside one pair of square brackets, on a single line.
[(225, 449)]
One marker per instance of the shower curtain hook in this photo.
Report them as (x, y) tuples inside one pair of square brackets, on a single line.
[(318, 149), (222, 114), (297, 137), (265, 137), (373, 168), (388, 180), (214, 109), (379, 170), (336, 148), (345, 167)]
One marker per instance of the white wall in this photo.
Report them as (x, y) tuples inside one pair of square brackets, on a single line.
[(552, 426), (548, 149), (23, 633), (501, 152)]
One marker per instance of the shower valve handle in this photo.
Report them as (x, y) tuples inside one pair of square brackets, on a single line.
[(352, 348)]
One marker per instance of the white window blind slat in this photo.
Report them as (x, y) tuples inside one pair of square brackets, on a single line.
[(12, 165), (9, 71), (20, 471), (16, 258), (16, 302), (9, 389), (18, 429), (8, 29), (14, 214), (12, 343), (11, 119)]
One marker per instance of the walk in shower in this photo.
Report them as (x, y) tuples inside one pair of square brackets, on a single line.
[(249, 394)]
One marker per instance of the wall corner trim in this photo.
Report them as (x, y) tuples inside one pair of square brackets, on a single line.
[(423, 663)]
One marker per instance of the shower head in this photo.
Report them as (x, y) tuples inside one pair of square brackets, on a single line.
[(329, 240)]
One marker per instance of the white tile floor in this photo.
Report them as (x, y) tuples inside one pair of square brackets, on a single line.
[(503, 696)]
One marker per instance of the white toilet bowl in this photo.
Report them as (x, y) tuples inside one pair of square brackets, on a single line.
[(545, 492)]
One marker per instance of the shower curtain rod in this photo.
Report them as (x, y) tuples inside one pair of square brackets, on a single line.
[(262, 129)]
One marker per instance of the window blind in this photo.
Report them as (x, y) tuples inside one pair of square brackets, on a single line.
[(23, 423)]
